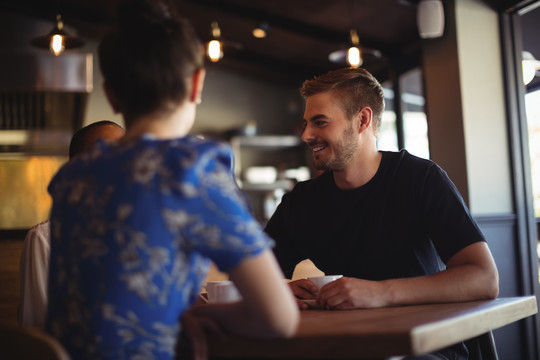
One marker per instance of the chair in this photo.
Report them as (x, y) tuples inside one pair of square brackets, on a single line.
[(19, 343), (482, 347)]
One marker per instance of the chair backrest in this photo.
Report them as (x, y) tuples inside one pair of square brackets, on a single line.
[(18, 343), (482, 347)]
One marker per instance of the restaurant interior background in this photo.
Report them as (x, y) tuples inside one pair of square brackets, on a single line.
[(457, 99)]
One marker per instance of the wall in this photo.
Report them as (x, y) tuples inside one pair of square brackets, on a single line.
[(443, 103), (483, 106), (97, 107), (465, 106), (500, 232), (230, 100)]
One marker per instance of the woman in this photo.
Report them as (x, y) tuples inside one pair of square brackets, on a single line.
[(135, 223)]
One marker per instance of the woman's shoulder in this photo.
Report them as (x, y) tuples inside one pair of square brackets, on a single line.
[(205, 150), (191, 143), (150, 147)]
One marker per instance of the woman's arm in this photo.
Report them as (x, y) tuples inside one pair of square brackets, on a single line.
[(268, 308)]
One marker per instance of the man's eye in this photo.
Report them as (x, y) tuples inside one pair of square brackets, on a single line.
[(320, 123)]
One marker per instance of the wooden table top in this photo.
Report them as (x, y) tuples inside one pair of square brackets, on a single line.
[(383, 332)]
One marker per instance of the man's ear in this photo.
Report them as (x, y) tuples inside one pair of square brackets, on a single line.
[(115, 104), (197, 84), (364, 118)]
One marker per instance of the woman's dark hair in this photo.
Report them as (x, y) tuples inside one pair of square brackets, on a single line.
[(149, 57)]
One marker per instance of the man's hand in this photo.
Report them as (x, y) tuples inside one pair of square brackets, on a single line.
[(350, 293), (303, 289)]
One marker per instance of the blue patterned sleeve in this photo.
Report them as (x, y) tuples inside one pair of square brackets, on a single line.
[(219, 224)]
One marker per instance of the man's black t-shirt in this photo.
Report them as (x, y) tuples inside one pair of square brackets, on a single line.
[(402, 223)]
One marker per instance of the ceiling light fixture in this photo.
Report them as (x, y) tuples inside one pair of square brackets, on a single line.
[(57, 40), (261, 31), (355, 55), (530, 67), (214, 48)]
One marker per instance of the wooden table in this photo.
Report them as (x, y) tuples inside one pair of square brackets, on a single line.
[(380, 333)]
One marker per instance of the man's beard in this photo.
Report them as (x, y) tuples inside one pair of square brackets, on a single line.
[(344, 151)]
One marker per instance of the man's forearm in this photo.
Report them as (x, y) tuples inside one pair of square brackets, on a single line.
[(471, 274), (463, 283)]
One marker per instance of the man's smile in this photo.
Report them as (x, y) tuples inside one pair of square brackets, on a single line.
[(318, 148)]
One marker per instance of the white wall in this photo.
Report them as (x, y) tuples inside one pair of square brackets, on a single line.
[(97, 107), (483, 106)]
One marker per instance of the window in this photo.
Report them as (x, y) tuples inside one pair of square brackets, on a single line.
[(414, 116), (532, 107), (388, 136), (411, 122)]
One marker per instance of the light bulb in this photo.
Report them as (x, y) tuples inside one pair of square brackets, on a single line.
[(353, 57), (57, 44), (261, 30), (214, 51), (259, 33)]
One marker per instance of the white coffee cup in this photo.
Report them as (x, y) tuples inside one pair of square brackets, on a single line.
[(222, 292), (320, 281)]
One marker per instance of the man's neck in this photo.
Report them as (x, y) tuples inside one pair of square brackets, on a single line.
[(359, 172)]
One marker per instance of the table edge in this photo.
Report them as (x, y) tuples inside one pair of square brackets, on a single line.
[(421, 343)]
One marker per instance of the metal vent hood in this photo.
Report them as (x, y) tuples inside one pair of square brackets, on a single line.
[(26, 68), (46, 72), (42, 100), (42, 97)]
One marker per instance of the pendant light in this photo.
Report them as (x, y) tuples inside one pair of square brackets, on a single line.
[(57, 40), (215, 47), (261, 31), (354, 55)]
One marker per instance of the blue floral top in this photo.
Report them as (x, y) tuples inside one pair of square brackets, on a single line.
[(133, 227)]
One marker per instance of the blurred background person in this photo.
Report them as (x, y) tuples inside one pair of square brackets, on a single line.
[(34, 262)]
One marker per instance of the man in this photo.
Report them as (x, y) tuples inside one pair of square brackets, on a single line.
[(392, 224), (34, 263)]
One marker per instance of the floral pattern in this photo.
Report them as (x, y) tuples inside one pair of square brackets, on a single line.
[(133, 228)]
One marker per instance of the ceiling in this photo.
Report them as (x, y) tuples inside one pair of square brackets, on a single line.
[(302, 32)]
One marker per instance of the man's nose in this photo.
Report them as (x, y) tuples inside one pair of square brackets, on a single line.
[(307, 134)]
